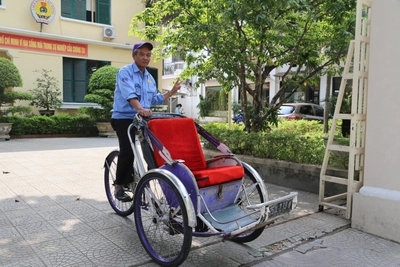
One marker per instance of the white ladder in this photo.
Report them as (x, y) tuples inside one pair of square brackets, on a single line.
[(356, 69)]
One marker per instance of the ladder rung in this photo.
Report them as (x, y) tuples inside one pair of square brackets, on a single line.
[(347, 76), (357, 151), (339, 148), (360, 74), (333, 179), (350, 116), (343, 116), (332, 205), (336, 197), (360, 117)]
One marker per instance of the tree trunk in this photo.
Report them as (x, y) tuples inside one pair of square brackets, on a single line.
[(327, 104)]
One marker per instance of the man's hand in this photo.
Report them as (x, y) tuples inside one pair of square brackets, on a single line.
[(141, 111), (144, 112), (176, 86)]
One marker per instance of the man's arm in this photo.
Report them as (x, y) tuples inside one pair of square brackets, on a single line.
[(136, 105)]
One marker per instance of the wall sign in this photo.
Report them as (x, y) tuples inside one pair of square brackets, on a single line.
[(43, 45), (43, 11)]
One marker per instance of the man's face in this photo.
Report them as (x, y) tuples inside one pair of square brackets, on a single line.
[(142, 57)]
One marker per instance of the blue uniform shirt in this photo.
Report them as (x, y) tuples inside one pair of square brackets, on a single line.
[(131, 83)]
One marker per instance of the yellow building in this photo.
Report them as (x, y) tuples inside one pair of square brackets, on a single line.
[(72, 38)]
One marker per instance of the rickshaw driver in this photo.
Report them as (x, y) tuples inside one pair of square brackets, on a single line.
[(135, 91)]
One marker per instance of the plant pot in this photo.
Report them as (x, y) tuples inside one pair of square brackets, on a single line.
[(5, 128), (46, 112), (105, 129)]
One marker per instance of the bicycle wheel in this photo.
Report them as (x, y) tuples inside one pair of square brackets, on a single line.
[(250, 194), (110, 166), (161, 220)]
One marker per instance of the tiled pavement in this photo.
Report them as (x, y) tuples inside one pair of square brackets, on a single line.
[(54, 212)]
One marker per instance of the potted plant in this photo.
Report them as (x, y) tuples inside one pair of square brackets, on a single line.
[(47, 93), (9, 78), (101, 91)]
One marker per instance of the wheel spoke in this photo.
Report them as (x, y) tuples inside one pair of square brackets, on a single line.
[(120, 207), (250, 194), (161, 220)]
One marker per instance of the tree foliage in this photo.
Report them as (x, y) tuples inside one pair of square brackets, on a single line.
[(101, 91), (239, 42), (47, 92), (9, 78), (9, 74)]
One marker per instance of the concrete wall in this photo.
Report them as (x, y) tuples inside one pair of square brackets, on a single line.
[(376, 206), (303, 177)]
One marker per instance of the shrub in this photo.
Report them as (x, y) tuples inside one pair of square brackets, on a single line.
[(9, 78), (293, 141), (101, 91), (57, 124), (47, 92)]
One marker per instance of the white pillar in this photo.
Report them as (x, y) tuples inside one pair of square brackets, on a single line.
[(376, 207)]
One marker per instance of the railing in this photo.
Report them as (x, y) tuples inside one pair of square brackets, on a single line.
[(171, 68)]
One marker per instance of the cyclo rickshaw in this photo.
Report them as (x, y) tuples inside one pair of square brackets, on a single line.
[(176, 193)]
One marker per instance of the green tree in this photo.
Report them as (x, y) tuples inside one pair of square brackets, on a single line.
[(47, 92), (240, 42), (9, 78), (101, 91)]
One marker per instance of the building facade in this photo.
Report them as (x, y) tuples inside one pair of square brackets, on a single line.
[(376, 206), (72, 38)]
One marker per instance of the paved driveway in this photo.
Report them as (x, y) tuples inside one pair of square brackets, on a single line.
[(54, 212)]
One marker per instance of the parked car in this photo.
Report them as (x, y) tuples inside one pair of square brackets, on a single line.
[(297, 111)]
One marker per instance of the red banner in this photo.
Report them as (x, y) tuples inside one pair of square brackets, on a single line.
[(43, 45)]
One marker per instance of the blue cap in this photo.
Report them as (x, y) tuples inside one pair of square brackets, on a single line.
[(140, 44)]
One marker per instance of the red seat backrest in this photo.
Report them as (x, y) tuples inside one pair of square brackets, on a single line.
[(179, 136)]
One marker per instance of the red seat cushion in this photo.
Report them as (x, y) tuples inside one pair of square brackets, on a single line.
[(218, 175), (179, 136)]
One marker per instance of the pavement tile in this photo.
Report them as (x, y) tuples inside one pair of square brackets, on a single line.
[(54, 212), (14, 250), (24, 216)]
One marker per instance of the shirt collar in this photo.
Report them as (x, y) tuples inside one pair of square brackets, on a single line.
[(136, 69)]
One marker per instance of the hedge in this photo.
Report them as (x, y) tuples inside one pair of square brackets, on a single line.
[(56, 124), (294, 141)]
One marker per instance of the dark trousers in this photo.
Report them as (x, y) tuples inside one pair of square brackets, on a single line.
[(125, 158)]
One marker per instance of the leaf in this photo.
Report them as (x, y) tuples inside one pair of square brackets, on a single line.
[(239, 43)]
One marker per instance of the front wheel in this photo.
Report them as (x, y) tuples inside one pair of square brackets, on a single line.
[(110, 171), (161, 220)]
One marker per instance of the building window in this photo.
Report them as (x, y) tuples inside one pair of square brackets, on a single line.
[(76, 74), (97, 11), (336, 85)]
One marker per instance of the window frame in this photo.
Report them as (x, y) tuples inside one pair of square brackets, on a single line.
[(73, 91), (99, 11), (70, 83)]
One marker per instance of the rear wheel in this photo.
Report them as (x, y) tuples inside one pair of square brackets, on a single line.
[(110, 170), (250, 194), (161, 220)]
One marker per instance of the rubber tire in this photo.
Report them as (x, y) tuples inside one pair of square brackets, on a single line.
[(252, 235), (121, 208), (149, 225)]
